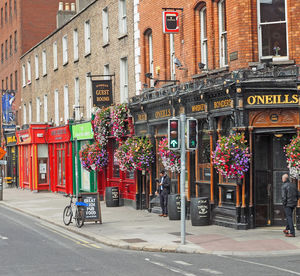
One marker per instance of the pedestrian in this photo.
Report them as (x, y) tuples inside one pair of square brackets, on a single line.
[(289, 194), (163, 190)]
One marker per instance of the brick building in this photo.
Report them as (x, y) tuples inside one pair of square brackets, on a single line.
[(234, 66)]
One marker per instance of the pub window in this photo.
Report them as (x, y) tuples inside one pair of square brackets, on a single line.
[(10, 45), (61, 167), (43, 163), (149, 55), (122, 17), (272, 26), (2, 52), (222, 33), (203, 36), (203, 173), (105, 28)]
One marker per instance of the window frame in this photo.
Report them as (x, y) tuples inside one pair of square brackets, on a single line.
[(122, 17), (76, 99), (124, 95), (75, 45), (87, 37), (54, 48), (105, 26), (223, 42), (56, 107), (44, 62), (65, 49), (29, 72), (45, 108), (203, 39), (66, 103), (23, 75), (38, 109)]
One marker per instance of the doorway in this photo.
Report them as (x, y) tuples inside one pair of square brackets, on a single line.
[(269, 165)]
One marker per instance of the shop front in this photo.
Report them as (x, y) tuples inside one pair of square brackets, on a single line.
[(12, 172), (33, 157), (83, 133), (60, 159)]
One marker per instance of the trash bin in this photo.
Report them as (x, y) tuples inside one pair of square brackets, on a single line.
[(1, 189), (112, 196), (199, 208), (174, 206)]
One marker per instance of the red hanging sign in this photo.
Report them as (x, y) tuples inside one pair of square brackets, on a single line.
[(170, 22)]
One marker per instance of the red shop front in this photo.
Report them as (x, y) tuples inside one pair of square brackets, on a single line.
[(60, 156), (33, 157)]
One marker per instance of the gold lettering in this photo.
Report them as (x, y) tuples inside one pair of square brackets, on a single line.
[(251, 100), (199, 107), (260, 99), (269, 99), (102, 99), (163, 113), (223, 103), (286, 99), (295, 98)]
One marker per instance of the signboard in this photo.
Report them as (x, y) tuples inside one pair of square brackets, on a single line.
[(2, 153), (92, 212), (59, 134), (170, 22), (8, 115), (82, 131), (272, 99), (102, 93)]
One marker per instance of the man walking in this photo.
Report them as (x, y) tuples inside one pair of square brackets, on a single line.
[(289, 200), (163, 191)]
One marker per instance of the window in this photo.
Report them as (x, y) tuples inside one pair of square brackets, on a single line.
[(16, 41), (87, 37), (203, 37), (124, 80), (6, 82), (222, 33), (56, 108), (149, 55), (54, 55), (76, 103), (66, 103), (11, 81), (2, 53), (28, 72), (10, 45), (272, 25), (172, 57), (23, 75), (38, 110), (65, 49), (1, 17), (36, 63), (16, 80), (106, 71), (122, 17), (2, 84), (44, 62), (105, 25), (6, 55), (75, 44), (45, 108), (88, 94), (15, 6), (24, 114), (10, 9), (5, 12), (30, 112)]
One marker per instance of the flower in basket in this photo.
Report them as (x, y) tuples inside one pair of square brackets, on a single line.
[(119, 116), (101, 125), (98, 157), (84, 159), (124, 156), (292, 152), (231, 157), (169, 158)]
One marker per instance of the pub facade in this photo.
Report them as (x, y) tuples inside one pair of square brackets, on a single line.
[(262, 104)]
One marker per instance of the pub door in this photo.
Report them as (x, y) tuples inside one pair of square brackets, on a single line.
[(269, 166)]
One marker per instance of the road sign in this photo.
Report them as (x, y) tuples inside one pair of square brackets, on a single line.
[(2, 153)]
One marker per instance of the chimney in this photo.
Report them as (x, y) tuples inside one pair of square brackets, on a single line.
[(64, 15)]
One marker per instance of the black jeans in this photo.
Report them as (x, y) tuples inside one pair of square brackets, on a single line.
[(163, 196), (289, 218)]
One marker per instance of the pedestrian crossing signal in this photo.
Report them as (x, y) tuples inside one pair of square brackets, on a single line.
[(192, 134)]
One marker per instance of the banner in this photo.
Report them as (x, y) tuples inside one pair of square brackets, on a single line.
[(102, 93), (8, 115)]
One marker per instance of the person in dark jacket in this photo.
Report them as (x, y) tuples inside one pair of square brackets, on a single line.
[(289, 194), (163, 190)]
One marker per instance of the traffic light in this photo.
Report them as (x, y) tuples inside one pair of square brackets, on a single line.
[(174, 134), (192, 134)]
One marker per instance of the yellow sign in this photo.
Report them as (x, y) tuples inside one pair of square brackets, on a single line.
[(142, 117), (11, 139), (273, 99), (198, 108), (223, 103), (163, 113), (2, 153)]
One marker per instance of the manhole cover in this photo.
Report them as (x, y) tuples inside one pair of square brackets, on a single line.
[(133, 240)]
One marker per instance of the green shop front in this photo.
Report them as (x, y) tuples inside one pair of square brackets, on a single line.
[(83, 133)]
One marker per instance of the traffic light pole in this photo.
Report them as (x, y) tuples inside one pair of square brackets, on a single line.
[(182, 176)]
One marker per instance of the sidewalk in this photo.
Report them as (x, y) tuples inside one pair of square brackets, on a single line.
[(127, 228)]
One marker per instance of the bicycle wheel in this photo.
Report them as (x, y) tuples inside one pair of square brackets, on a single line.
[(67, 215), (79, 217)]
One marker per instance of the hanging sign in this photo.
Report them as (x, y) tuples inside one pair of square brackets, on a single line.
[(170, 22), (102, 93)]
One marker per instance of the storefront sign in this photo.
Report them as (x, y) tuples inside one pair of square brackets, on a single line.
[(222, 104), (11, 140), (141, 117), (272, 99), (59, 134), (102, 93), (82, 131), (163, 113), (198, 107), (170, 22)]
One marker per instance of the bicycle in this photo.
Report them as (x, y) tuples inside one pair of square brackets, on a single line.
[(79, 212)]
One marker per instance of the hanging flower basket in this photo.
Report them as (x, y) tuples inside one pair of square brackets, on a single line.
[(170, 159), (101, 125), (135, 154), (231, 157), (292, 152), (119, 116), (93, 157)]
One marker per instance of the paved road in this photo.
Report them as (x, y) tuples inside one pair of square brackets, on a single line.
[(29, 246)]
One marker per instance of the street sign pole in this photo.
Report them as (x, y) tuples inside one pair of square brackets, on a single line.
[(76, 169), (182, 176)]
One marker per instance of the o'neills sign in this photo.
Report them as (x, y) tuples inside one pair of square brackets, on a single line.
[(272, 99), (102, 93)]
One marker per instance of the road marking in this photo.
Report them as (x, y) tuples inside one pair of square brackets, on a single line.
[(182, 263), (213, 272), (3, 238), (260, 264), (173, 269)]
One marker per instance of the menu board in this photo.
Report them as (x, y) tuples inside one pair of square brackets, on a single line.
[(92, 212)]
